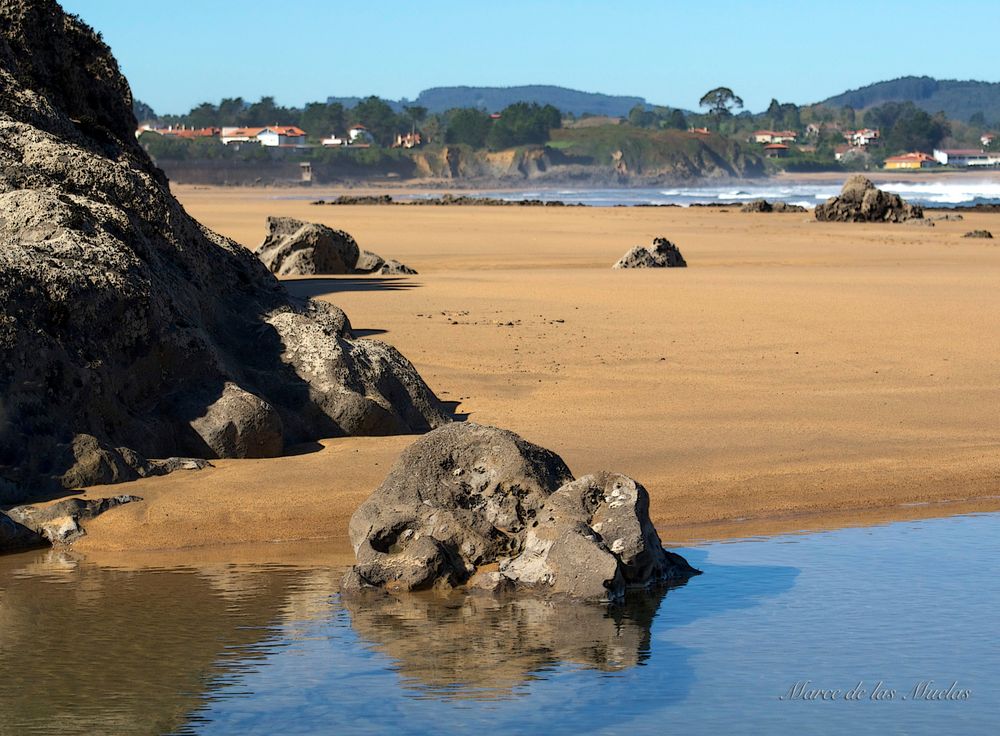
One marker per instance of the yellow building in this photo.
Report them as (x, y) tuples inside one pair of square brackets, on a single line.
[(914, 160)]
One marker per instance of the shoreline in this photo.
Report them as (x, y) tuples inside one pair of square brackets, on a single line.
[(798, 375)]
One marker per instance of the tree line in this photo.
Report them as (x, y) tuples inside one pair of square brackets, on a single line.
[(518, 124)]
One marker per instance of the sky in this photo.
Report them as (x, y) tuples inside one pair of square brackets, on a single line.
[(177, 54)]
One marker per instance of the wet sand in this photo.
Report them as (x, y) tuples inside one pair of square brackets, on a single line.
[(798, 375)]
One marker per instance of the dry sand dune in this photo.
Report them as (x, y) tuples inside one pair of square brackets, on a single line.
[(796, 375)]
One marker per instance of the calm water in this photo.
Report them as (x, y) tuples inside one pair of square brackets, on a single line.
[(233, 649), (931, 193)]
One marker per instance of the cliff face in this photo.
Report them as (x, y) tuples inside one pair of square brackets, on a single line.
[(128, 330)]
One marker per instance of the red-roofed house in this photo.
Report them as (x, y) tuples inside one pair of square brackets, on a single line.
[(271, 135), (776, 150), (915, 160), (774, 136), (180, 132)]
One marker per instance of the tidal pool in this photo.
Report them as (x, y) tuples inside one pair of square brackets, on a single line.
[(887, 629)]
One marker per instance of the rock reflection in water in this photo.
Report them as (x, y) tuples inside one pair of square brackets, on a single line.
[(86, 649), (481, 646)]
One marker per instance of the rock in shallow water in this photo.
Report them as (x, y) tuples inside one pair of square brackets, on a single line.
[(479, 505)]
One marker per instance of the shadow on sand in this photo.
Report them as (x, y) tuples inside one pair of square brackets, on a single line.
[(308, 288)]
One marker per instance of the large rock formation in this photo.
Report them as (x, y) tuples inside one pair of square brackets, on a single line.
[(479, 505), (661, 254), (862, 201), (127, 329)]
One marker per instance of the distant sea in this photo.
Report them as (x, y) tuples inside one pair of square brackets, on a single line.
[(927, 194)]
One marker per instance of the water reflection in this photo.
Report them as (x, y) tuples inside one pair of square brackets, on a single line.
[(89, 649), (481, 646)]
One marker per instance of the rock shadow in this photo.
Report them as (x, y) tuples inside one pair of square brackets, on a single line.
[(309, 288)]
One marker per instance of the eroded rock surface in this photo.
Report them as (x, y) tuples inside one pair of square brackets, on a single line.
[(128, 330), (479, 505), (296, 248), (979, 234), (661, 254), (862, 201), (762, 205), (61, 522)]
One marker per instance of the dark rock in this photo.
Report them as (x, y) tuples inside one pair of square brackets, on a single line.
[(129, 331), (661, 254), (978, 234), (467, 497), (591, 535), (395, 268), (60, 522), (862, 201), (15, 537), (762, 205), (239, 424), (296, 248), (471, 489)]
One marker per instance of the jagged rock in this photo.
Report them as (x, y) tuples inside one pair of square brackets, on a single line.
[(591, 535), (296, 248), (122, 320), (458, 497), (862, 201), (467, 497), (661, 254), (979, 234), (368, 262), (15, 537), (762, 205), (60, 522), (395, 268)]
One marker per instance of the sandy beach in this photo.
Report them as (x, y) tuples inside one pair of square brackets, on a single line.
[(798, 375)]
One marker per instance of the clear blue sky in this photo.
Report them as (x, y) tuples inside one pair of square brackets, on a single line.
[(181, 52)]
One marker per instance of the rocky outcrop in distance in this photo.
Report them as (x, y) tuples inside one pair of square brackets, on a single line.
[(480, 506), (455, 200), (297, 248), (762, 205), (862, 201), (661, 254), (128, 330), (979, 234)]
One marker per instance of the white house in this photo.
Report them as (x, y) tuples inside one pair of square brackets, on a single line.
[(272, 135), (967, 157), (358, 134), (863, 138), (334, 140), (987, 139)]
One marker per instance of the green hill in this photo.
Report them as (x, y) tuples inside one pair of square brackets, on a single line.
[(495, 99), (959, 100)]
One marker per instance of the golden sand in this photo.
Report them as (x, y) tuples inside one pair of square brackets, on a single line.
[(797, 375)]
